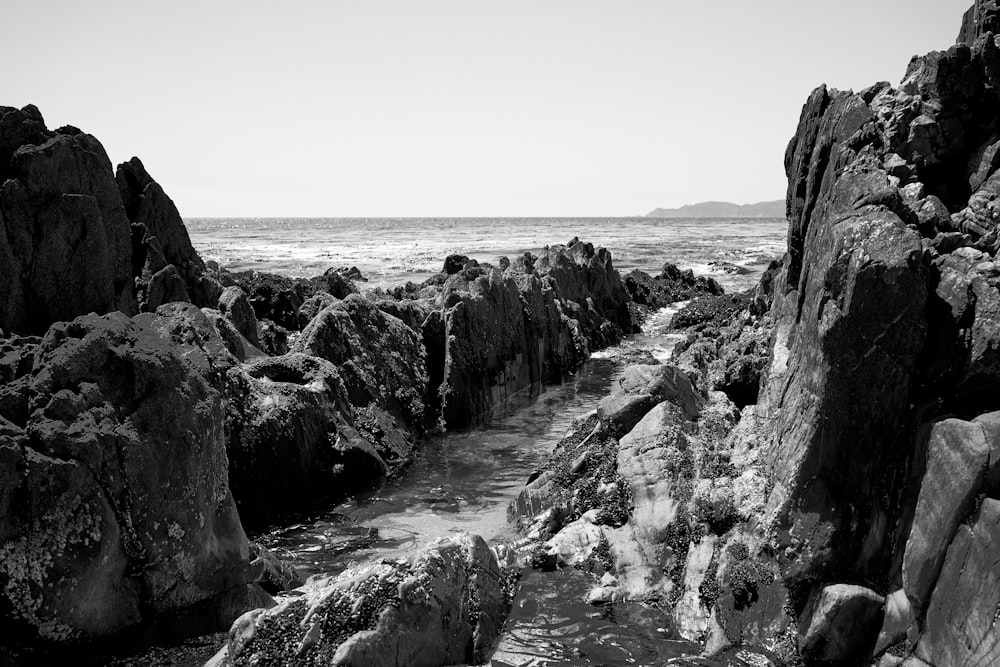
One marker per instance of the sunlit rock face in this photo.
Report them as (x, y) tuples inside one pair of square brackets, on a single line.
[(443, 606)]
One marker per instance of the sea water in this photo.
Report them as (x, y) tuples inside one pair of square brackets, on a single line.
[(392, 251)]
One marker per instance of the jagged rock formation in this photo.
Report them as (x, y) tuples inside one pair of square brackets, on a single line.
[(77, 238), (65, 246), (165, 263), (501, 332), (670, 286), (443, 606)]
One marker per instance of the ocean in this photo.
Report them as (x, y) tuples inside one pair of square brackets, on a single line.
[(392, 251)]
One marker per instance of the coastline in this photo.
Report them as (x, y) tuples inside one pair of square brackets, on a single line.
[(812, 476)]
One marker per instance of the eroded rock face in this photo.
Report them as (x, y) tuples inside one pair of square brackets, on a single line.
[(77, 239), (113, 516), (65, 241), (443, 606), (849, 510), (885, 318), (147, 204), (503, 331)]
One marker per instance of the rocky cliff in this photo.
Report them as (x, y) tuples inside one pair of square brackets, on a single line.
[(847, 515)]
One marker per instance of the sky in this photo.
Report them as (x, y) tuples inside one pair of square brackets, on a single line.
[(384, 108)]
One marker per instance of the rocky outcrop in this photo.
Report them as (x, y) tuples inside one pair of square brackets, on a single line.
[(296, 433), (500, 332), (234, 304), (77, 238), (380, 358), (443, 606), (670, 286), (981, 18), (884, 326), (161, 242), (729, 339), (112, 517), (65, 241)]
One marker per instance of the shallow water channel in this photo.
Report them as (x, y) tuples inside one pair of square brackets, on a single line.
[(464, 481)]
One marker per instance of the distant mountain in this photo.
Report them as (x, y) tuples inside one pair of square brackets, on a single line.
[(723, 209)]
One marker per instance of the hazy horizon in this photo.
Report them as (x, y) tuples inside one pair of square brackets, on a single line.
[(445, 108)]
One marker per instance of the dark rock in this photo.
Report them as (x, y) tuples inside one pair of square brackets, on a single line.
[(586, 277), (165, 286), (710, 311), (352, 273), (276, 298), (981, 18), (312, 306), (455, 263), (274, 338), (842, 625), (234, 304), (234, 341), (857, 326), (146, 203), (670, 286), (957, 456), (292, 443), (338, 284), (507, 331), (293, 439), (19, 127), (120, 519), (65, 242)]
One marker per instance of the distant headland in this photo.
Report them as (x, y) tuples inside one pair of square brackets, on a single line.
[(723, 209)]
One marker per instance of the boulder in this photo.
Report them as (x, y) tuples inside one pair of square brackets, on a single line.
[(338, 284), (234, 341), (292, 442), (848, 335), (234, 304), (381, 360), (442, 606), (842, 625), (312, 306), (455, 263), (121, 518), (640, 388)]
